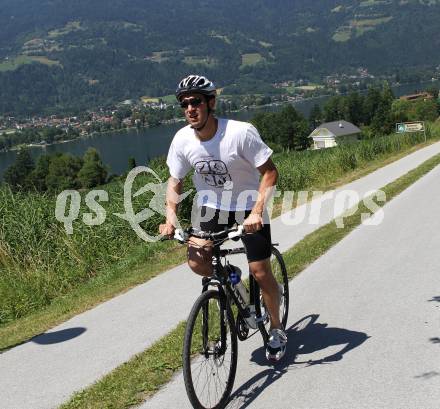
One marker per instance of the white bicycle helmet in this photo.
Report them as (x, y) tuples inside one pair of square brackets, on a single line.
[(195, 83)]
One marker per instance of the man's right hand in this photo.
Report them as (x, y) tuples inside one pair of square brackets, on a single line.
[(167, 229)]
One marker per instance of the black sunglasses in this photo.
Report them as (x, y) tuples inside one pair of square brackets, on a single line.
[(194, 102)]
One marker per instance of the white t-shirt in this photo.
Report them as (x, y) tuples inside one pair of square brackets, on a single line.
[(225, 167)]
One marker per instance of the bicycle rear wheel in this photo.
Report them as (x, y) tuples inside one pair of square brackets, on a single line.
[(209, 352), (280, 273)]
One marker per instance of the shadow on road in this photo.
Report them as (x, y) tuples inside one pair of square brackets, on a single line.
[(57, 337), (304, 337), (428, 375), (435, 340)]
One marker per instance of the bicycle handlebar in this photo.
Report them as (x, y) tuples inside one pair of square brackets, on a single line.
[(183, 236)]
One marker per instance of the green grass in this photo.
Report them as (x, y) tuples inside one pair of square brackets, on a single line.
[(43, 60), (143, 375), (371, 3), (9, 131), (132, 26), (191, 60), (361, 30), (342, 34), (368, 22), (39, 262), (309, 87), (159, 56), (131, 383), (265, 44), (13, 64), (358, 28), (68, 28), (251, 59), (222, 37), (135, 269), (169, 99)]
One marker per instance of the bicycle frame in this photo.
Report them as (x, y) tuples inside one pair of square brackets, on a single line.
[(219, 279)]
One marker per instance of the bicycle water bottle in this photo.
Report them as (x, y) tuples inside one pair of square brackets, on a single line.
[(235, 278)]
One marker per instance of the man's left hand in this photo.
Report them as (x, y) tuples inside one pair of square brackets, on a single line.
[(253, 223)]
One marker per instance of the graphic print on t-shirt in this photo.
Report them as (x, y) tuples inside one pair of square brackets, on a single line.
[(214, 172)]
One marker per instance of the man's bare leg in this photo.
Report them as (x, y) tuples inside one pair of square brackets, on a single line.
[(199, 260), (262, 272), (200, 256)]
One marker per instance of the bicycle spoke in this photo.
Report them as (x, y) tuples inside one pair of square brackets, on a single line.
[(202, 366)]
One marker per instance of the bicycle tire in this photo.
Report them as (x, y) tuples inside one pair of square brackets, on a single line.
[(280, 272), (202, 319)]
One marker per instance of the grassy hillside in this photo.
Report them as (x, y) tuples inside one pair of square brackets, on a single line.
[(60, 55)]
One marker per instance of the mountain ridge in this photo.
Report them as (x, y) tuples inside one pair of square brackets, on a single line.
[(56, 54)]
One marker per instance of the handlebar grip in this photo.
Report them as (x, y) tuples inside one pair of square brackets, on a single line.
[(237, 233), (179, 235)]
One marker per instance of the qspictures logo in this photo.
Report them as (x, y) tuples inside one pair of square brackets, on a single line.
[(296, 207)]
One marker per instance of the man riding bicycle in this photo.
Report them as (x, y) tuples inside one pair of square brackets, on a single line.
[(228, 158)]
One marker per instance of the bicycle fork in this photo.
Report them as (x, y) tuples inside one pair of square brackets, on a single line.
[(217, 350)]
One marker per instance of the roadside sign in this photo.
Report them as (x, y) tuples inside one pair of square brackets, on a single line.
[(418, 126), (400, 128), (410, 127)]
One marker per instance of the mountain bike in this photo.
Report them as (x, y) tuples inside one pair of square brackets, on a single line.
[(219, 316)]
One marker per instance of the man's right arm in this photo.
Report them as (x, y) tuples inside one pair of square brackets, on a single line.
[(174, 190)]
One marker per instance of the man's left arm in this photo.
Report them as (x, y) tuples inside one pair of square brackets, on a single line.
[(269, 172)]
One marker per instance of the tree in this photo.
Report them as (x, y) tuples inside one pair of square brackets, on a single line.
[(382, 120), (285, 129), (266, 123), (17, 174), (37, 178), (63, 172), (425, 110), (315, 117), (400, 110), (336, 109), (354, 107), (49, 134), (387, 95), (293, 128), (92, 172), (370, 105), (382, 123)]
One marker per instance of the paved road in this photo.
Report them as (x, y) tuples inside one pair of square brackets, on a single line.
[(44, 372), (366, 320)]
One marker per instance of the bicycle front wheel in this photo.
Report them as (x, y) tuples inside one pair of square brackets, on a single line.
[(209, 352)]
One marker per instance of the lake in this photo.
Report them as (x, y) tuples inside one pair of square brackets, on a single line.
[(116, 147)]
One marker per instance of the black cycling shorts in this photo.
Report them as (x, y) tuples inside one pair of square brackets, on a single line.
[(258, 245)]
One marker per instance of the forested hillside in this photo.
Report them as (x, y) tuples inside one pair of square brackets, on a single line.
[(71, 55)]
